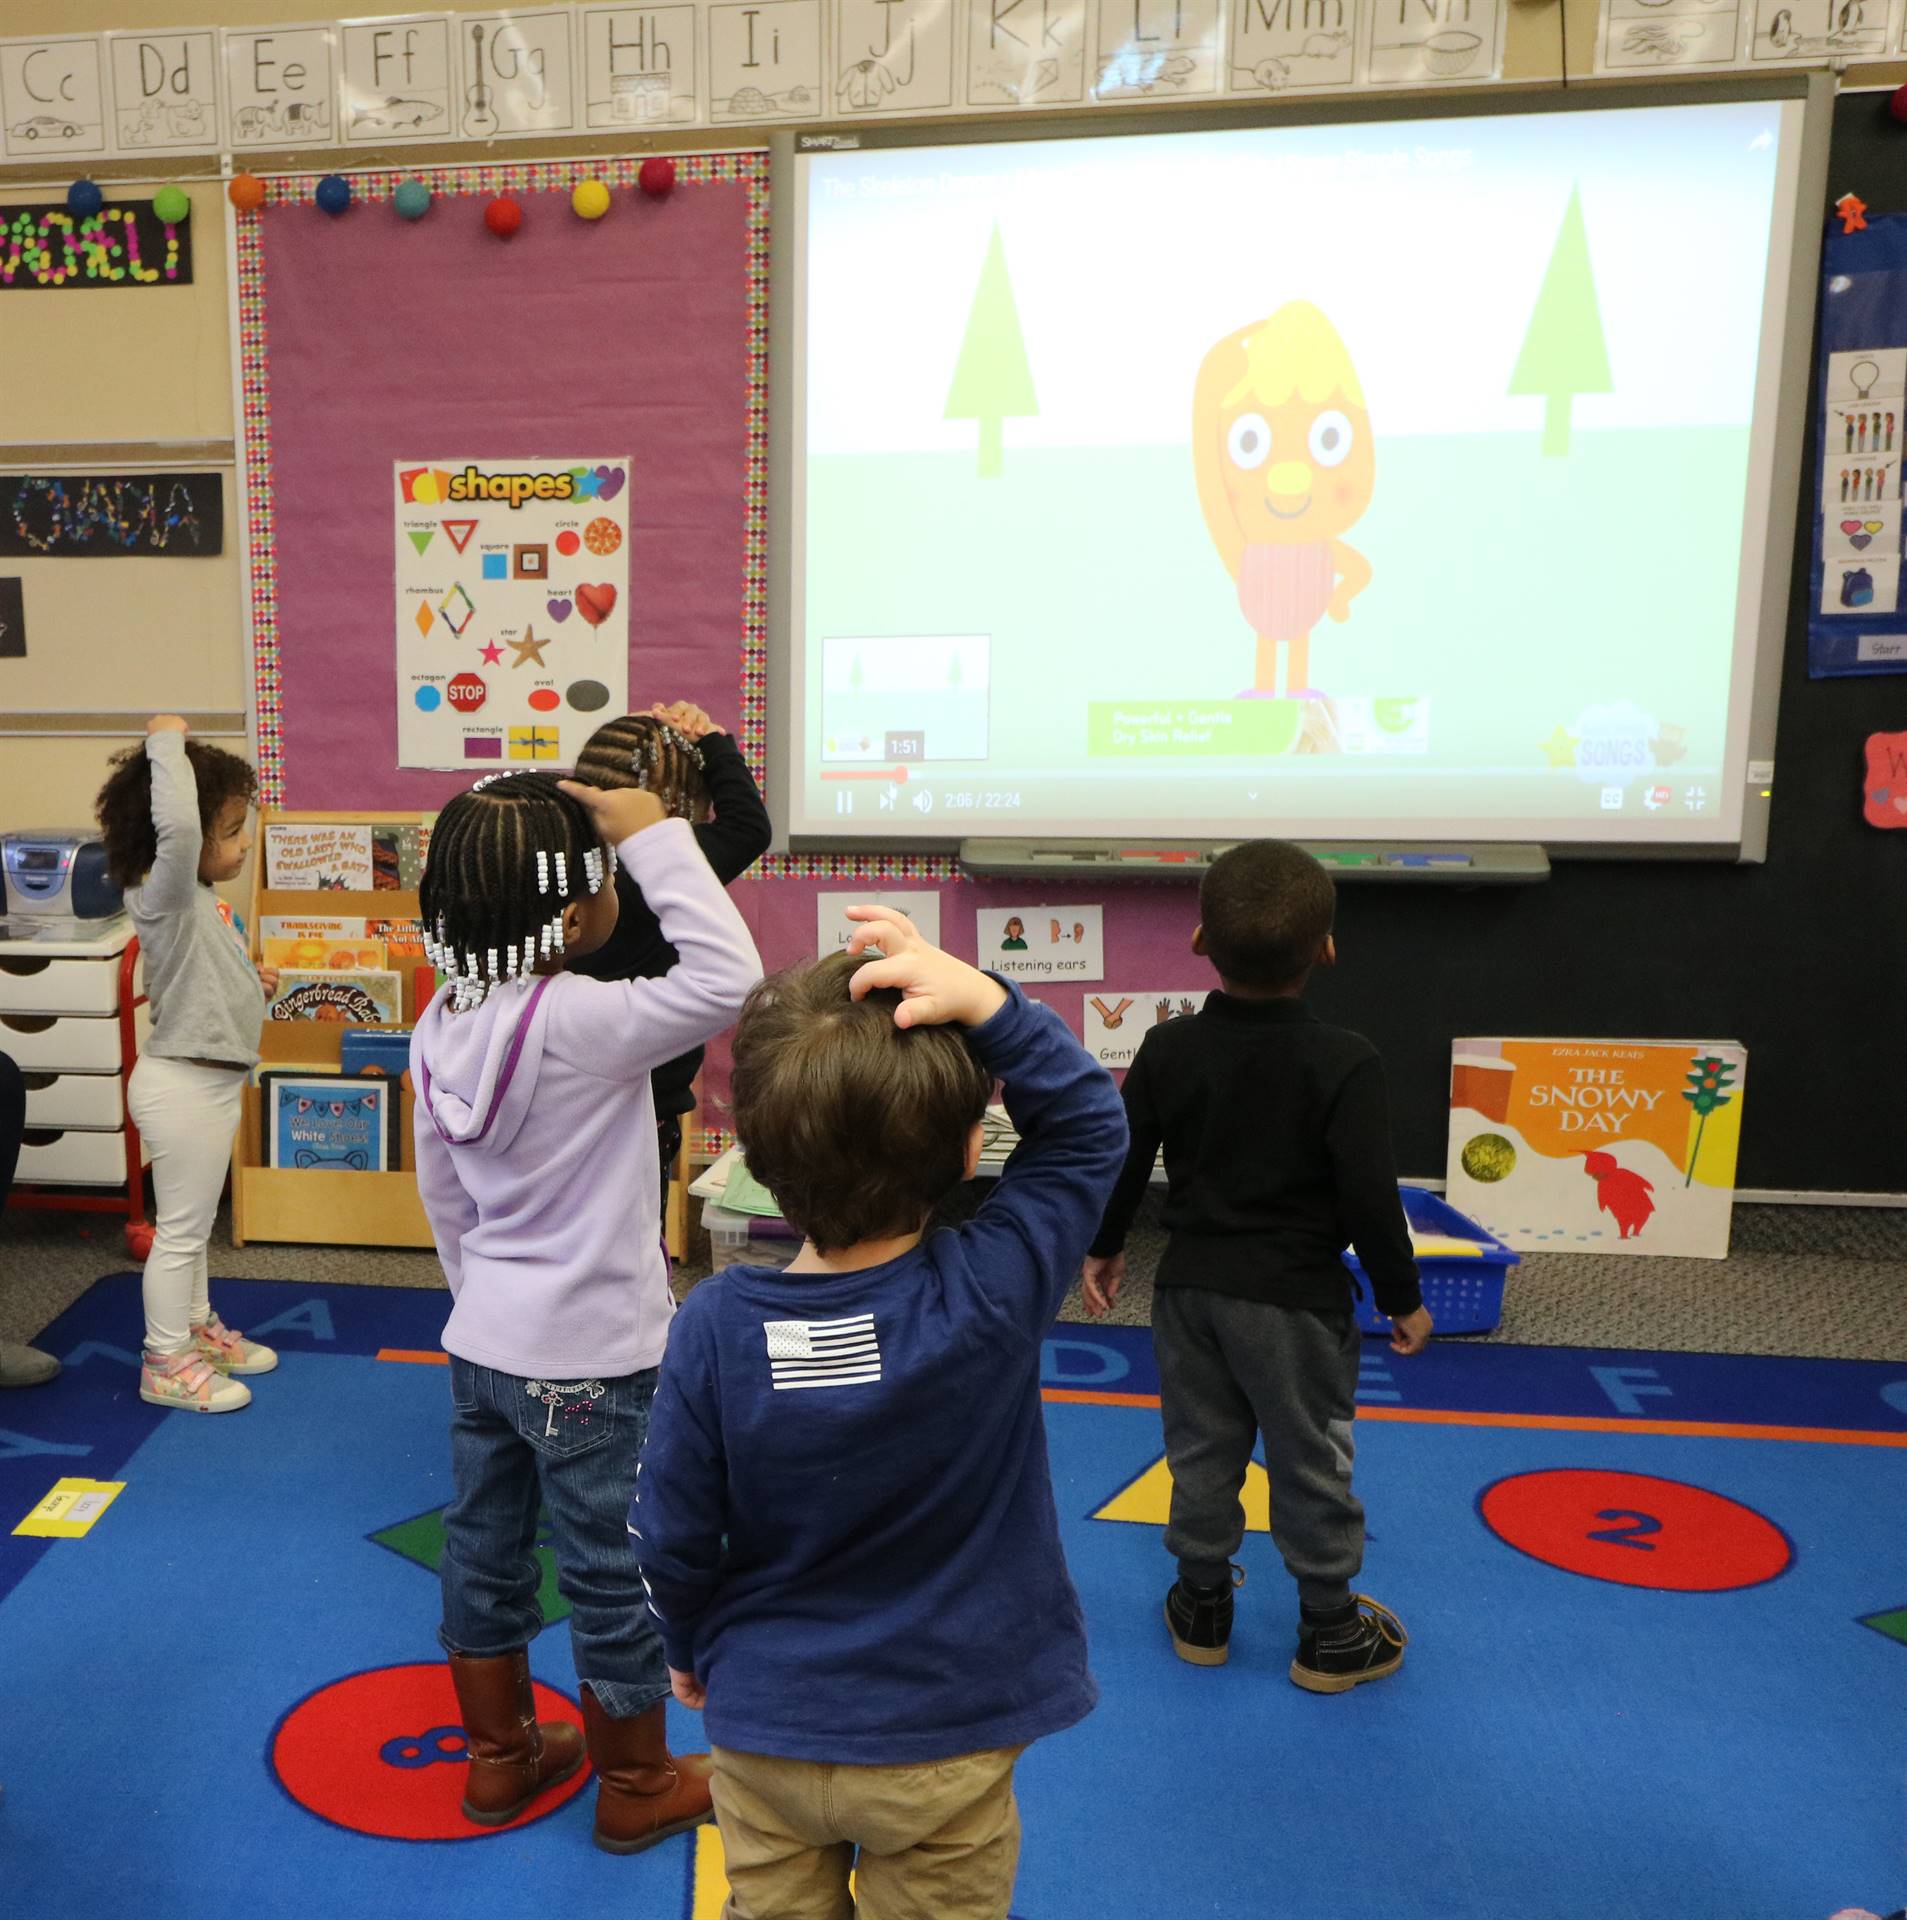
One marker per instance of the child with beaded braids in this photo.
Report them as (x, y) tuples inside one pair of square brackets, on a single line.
[(533, 1131), (681, 756)]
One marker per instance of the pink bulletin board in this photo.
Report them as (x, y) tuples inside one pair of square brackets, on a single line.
[(366, 338)]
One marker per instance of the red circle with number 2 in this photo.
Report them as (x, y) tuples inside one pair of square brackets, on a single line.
[(1634, 1530)]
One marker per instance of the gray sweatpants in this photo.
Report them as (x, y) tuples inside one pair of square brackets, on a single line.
[(1228, 1371)]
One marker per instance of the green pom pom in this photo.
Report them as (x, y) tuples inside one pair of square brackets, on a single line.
[(172, 204)]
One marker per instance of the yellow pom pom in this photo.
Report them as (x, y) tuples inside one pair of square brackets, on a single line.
[(590, 200)]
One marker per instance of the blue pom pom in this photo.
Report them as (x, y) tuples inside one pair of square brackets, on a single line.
[(334, 193), (84, 199), (412, 199)]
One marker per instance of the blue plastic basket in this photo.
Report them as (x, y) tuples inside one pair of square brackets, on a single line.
[(1464, 1295)]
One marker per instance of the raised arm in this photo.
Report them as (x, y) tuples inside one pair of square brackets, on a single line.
[(739, 834), (172, 884), (616, 1028)]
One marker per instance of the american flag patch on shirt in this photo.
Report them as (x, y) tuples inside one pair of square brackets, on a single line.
[(823, 1353)]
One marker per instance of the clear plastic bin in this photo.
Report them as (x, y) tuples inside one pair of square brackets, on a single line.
[(746, 1239)]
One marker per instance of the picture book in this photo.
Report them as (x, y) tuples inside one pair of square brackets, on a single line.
[(291, 926), (314, 951), (316, 855), (1598, 1146), (317, 1121), (397, 856), (359, 997), (403, 941)]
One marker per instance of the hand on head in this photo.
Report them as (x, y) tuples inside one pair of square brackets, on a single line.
[(935, 988), (617, 811), (686, 718), (166, 723)]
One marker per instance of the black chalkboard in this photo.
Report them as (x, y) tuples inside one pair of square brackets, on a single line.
[(1803, 959), (125, 244), (154, 515)]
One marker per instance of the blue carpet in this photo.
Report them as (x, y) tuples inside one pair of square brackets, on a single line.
[(1556, 1747)]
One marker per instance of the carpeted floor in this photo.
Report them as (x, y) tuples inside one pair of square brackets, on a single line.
[(1650, 1613), (1823, 1281)]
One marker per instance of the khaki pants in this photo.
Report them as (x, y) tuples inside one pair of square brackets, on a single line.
[(939, 1841)]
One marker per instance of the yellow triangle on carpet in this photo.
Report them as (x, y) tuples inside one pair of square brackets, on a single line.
[(1147, 1501)]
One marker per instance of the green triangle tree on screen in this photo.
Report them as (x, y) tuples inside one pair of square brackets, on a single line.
[(992, 381), (1563, 353)]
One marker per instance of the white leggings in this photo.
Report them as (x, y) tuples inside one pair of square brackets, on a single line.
[(188, 1114)]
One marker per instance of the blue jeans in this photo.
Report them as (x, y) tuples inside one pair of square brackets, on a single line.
[(571, 1446)]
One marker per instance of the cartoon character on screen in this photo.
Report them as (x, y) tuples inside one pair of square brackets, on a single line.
[(1621, 1193), (1282, 452)]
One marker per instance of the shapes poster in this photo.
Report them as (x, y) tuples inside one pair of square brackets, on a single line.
[(1598, 1146), (512, 615)]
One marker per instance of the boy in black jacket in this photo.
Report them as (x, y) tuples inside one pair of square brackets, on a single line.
[(691, 765), (1277, 1153)]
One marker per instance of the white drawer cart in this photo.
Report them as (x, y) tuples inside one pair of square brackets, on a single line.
[(73, 1016)]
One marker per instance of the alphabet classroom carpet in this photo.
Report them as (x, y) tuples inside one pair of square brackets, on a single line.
[(1658, 1608)]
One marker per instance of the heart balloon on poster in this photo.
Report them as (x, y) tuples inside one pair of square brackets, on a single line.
[(596, 604)]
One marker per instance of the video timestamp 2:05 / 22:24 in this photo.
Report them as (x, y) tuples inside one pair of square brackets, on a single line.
[(994, 802)]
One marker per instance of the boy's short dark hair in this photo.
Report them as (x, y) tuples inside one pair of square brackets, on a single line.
[(1265, 908), (124, 804), (856, 1126)]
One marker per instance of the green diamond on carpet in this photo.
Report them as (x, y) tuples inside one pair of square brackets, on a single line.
[(422, 1541), (1893, 1623)]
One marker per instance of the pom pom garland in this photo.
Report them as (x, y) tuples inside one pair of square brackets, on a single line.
[(246, 193), (334, 194), (172, 204), (412, 199), (84, 199), (590, 200), (503, 216), (656, 176)]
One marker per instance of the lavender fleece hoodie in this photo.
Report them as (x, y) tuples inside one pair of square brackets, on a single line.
[(535, 1132)]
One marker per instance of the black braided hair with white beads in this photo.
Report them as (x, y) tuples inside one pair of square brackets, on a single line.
[(505, 859), (640, 750)]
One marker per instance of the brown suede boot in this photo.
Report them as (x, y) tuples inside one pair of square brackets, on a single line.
[(512, 1758), (643, 1792)]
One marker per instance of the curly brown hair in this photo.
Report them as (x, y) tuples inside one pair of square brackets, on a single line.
[(817, 1070), (124, 806)]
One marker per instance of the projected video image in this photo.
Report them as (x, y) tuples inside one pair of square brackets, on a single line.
[(1351, 476)]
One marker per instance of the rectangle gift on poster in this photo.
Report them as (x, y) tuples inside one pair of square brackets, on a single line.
[(1598, 1146), (512, 609), (330, 1121)]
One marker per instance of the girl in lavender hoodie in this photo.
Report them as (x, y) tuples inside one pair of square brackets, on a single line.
[(535, 1154)]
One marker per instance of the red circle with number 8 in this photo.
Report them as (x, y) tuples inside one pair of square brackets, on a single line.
[(384, 1753), (1635, 1530)]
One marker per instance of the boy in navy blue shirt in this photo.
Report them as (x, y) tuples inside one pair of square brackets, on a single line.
[(845, 1489)]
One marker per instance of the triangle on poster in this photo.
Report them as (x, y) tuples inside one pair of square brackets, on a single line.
[(421, 537), (460, 532)]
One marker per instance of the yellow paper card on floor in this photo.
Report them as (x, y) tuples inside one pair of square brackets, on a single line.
[(68, 1512)]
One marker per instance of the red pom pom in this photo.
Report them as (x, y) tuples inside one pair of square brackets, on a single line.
[(656, 176), (1897, 106), (246, 192), (503, 216)]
